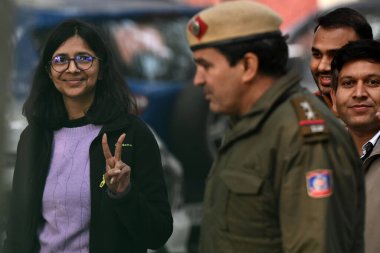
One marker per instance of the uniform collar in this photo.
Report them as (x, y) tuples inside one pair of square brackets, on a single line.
[(276, 94)]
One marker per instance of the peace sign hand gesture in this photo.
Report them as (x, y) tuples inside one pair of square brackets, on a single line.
[(118, 174)]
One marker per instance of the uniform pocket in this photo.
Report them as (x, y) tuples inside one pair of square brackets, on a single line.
[(242, 181), (248, 206)]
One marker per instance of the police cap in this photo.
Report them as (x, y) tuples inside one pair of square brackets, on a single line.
[(232, 22)]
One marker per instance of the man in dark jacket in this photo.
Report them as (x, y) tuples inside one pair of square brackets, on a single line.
[(286, 178)]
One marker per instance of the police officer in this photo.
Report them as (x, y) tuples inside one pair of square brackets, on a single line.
[(287, 177)]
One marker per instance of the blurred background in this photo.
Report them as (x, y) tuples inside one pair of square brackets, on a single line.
[(5, 30), (148, 40)]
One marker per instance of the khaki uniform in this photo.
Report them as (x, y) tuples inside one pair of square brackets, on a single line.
[(260, 195)]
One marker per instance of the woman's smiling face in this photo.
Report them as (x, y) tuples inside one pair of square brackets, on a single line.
[(73, 83)]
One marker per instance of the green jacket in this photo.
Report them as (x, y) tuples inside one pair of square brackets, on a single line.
[(287, 178)]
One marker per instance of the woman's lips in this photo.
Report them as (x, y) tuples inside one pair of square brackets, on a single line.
[(74, 81)]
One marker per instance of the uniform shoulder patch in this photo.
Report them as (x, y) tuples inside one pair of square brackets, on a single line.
[(319, 183), (309, 120)]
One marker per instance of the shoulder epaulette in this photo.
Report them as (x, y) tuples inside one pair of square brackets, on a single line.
[(311, 124)]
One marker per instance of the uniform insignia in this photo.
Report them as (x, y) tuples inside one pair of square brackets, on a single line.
[(311, 121), (315, 125), (319, 183), (197, 27), (311, 124)]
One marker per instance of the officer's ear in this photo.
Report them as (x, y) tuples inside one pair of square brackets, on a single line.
[(250, 64)]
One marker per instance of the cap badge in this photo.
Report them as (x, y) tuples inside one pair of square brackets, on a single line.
[(198, 27)]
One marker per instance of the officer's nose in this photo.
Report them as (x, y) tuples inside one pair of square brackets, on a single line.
[(199, 77)]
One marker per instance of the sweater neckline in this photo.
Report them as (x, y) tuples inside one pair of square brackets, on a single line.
[(83, 121)]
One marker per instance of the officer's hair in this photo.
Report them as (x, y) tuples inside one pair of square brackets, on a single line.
[(368, 50), (346, 17), (272, 53)]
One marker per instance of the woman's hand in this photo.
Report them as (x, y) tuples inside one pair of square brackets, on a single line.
[(118, 174)]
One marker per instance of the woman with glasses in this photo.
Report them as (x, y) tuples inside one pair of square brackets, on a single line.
[(88, 175)]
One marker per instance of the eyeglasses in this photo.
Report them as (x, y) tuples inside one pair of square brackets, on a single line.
[(61, 63)]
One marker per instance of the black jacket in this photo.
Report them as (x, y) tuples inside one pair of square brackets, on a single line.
[(141, 219)]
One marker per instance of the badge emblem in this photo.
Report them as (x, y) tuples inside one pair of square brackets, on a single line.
[(319, 183), (197, 27)]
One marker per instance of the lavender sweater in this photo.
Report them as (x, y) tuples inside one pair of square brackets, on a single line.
[(66, 198)]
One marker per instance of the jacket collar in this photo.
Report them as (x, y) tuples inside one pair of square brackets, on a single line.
[(276, 94), (121, 121), (374, 155)]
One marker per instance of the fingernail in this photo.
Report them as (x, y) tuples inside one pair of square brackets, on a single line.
[(111, 181)]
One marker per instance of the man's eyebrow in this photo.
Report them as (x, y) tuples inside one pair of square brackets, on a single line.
[(346, 77), (373, 75), (200, 61), (314, 49), (370, 75), (329, 51)]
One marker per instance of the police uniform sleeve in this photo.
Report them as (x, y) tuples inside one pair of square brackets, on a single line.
[(321, 205)]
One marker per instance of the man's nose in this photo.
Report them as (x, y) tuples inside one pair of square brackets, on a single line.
[(199, 79), (360, 90), (325, 64)]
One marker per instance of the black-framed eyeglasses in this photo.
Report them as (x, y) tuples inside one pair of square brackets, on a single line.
[(61, 63)]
